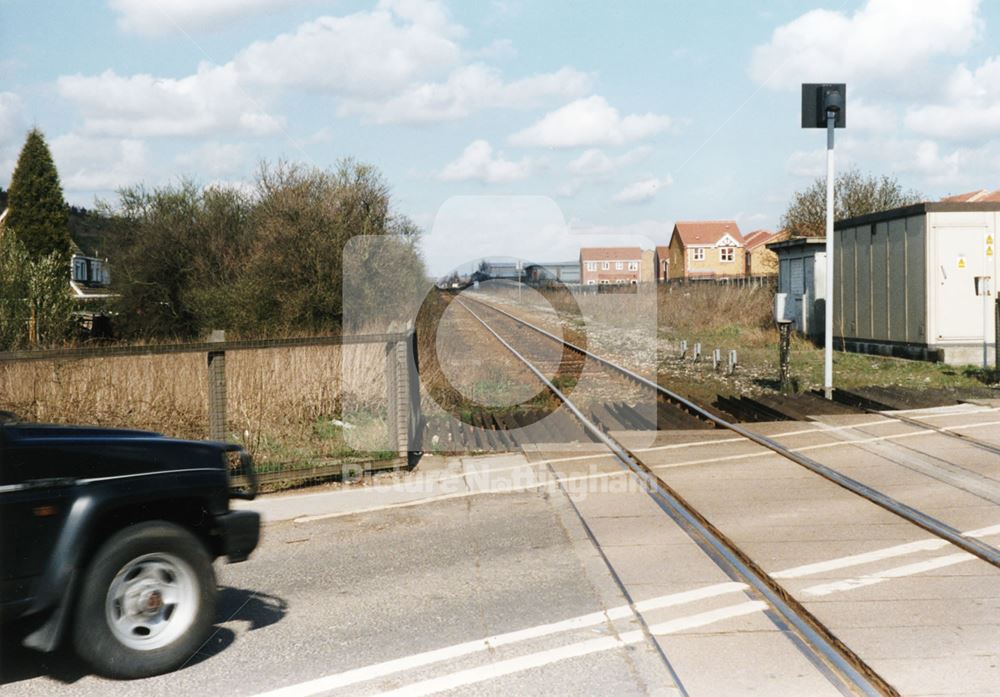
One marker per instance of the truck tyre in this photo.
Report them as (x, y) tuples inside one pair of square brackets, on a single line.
[(147, 601)]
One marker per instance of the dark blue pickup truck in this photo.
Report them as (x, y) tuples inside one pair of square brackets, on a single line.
[(107, 539)]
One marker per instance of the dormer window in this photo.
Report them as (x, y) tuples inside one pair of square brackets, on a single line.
[(79, 270)]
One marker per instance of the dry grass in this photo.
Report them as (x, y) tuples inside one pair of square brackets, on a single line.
[(278, 399), (706, 309)]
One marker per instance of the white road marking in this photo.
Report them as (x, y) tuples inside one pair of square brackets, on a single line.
[(888, 574), (879, 554), (378, 670), (492, 671), (479, 674), (858, 559)]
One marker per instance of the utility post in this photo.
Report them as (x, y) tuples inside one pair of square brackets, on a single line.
[(825, 106)]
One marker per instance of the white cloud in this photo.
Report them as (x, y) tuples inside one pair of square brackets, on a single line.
[(209, 101), (153, 18), (12, 122), (884, 40), (214, 159), (99, 164), (863, 116), (972, 109), (497, 50), (642, 191), (468, 89), (644, 233), (366, 54), (589, 122), (479, 162), (595, 163), (807, 163)]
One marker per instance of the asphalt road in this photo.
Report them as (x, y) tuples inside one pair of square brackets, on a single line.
[(329, 596), (464, 587)]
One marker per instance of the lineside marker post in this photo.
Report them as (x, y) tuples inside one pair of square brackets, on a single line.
[(784, 352)]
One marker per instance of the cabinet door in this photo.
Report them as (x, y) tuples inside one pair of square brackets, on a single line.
[(960, 258)]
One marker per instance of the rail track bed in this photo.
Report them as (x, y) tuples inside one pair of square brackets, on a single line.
[(803, 541)]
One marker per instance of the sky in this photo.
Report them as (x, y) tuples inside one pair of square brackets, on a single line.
[(508, 127)]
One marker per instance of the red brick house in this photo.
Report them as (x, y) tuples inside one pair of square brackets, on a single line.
[(610, 265)]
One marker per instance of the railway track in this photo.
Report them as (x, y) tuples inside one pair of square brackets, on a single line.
[(912, 515), (596, 422), (811, 636)]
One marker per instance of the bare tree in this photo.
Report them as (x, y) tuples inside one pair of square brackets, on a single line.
[(855, 194)]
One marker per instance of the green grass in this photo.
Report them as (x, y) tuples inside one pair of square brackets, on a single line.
[(758, 354)]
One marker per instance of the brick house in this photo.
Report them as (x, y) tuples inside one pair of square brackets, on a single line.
[(610, 265), (662, 262), (759, 260), (706, 249)]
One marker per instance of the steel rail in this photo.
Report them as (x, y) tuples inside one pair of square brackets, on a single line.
[(980, 549), (829, 650), (971, 440)]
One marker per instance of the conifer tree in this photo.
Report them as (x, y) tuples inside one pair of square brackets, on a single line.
[(38, 215)]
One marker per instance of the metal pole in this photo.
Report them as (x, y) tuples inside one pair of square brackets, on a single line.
[(831, 119), (784, 349)]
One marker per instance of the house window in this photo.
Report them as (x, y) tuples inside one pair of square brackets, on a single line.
[(605, 265), (80, 270), (620, 281), (605, 282), (591, 282), (633, 266), (619, 265), (698, 254), (591, 266), (727, 254)]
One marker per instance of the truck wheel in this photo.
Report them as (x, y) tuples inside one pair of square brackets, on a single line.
[(147, 601)]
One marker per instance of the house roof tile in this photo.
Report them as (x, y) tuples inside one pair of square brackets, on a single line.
[(610, 253), (979, 196), (757, 238), (706, 232)]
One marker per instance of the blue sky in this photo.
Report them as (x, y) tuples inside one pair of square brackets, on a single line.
[(616, 119)]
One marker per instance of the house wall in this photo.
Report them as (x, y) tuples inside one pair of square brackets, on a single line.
[(648, 266), (612, 274), (712, 264), (763, 262), (677, 267)]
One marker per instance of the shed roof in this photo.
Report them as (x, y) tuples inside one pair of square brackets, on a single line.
[(706, 232), (918, 209), (795, 243), (610, 253)]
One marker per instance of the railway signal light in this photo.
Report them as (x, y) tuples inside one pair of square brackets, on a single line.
[(825, 106)]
